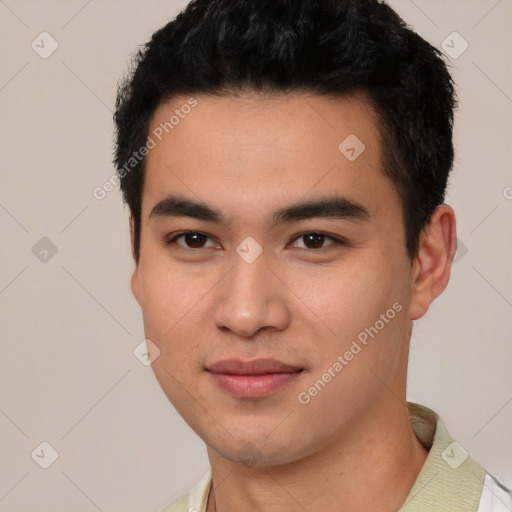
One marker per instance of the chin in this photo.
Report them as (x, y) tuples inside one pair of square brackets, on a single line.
[(254, 451)]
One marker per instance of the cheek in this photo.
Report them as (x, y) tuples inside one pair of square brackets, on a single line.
[(171, 309), (348, 298), (170, 296)]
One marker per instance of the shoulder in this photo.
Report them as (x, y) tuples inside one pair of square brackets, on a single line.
[(195, 500), (179, 505), (495, 496)]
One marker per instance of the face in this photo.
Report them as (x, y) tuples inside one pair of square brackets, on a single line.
[(273, 276)]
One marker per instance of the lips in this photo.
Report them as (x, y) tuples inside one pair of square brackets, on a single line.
[(256, 367), (252, 379)]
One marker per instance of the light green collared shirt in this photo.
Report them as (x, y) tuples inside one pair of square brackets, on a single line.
[(449, 481)]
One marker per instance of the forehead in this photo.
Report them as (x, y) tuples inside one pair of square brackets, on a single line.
[(255, 151)]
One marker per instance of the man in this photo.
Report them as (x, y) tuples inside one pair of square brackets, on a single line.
[(285, 165)]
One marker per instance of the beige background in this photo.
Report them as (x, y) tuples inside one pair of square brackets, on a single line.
[(68, 375)]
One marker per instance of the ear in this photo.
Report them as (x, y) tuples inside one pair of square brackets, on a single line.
[(135, 284), (431, 268)]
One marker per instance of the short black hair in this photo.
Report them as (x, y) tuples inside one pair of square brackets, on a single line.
[(325, 47)]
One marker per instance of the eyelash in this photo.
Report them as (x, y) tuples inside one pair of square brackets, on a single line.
[(337, 240)]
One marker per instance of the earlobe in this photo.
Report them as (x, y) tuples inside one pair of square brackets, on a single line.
[(135, 285), (432, 266)]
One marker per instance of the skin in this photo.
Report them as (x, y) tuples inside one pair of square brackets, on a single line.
[(352, 445)]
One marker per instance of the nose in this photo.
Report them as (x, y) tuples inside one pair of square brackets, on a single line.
[(252, 299)]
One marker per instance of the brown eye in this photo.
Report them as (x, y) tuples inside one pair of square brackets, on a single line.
[(192, 239), (314, 240)]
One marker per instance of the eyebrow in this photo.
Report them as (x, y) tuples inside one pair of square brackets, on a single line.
[(333, 207)]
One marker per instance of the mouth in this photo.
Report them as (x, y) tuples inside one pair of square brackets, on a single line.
[(252, 379)]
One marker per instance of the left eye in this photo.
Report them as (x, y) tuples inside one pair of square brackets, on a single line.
[(315, 240)]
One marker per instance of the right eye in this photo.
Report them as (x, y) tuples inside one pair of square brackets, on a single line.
[(193, 240)]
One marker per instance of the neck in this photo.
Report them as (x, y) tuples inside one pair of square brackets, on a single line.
[(375, 463)]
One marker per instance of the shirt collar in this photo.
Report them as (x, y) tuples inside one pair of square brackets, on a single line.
[(449, 479)]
